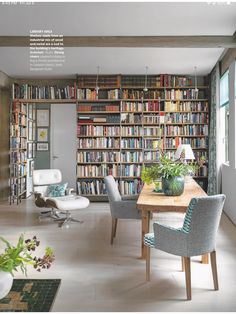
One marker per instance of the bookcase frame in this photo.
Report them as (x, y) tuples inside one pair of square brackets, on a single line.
[(110, 82), (17, 180), (142, 125)]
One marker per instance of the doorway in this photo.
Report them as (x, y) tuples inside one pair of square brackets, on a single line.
[(64, 141)]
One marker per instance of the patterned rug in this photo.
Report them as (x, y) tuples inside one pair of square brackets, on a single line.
[(30, 295)]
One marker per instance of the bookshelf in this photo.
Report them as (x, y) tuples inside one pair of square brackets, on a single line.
[(118, 135), (120, 126), (22, 137), (31, 145), (18, 151)]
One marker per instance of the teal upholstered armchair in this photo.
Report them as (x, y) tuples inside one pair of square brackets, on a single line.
[(196, 237)]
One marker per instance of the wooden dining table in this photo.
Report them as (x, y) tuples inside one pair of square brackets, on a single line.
[(150, 201)]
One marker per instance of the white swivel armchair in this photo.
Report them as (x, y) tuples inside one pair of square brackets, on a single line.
[(42, 179), (49, 179)]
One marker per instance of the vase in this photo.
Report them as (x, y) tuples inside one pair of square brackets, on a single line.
[(173, 186), (157, 187), (6, 281)]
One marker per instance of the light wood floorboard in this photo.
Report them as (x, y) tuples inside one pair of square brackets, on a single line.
[(97, 276)]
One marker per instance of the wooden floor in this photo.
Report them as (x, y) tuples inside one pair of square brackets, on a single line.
[(99, 277)]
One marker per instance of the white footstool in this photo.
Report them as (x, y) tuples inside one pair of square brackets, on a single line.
[(66, 204)]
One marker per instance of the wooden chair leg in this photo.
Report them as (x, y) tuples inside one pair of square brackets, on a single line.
[(214, 270), (147, 263), (205, 259), (113, 229), (182, 262), (187, 267)]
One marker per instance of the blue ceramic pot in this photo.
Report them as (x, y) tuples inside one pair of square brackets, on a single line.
[(173, 186)]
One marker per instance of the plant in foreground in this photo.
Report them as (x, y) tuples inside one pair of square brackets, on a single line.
[(21, 255)]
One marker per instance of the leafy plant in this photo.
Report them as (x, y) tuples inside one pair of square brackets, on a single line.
[(167, 168), (20, 256)]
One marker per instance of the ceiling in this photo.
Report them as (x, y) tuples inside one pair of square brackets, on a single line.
[(117, 19)]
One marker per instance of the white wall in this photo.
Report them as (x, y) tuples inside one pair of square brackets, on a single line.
[(229, 189), (229, 171), (4, 80)]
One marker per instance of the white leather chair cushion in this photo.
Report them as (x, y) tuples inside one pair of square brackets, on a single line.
[(42, 189), (69, 202), (46, 176)]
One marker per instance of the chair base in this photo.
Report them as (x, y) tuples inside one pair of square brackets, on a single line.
[(53, 214), (65, 222)]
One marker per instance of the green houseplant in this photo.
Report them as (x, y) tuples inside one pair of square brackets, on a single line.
[(171, 172), (19, 256)]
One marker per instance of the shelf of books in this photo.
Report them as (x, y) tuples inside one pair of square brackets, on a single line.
[(31, 146), (19, 150), (119, 130), (121, 125)]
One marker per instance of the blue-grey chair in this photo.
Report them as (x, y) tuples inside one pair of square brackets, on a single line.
[(196, 237), (121, 208)]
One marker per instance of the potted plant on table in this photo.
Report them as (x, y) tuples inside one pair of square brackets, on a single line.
[(171, 172), (19, 257)]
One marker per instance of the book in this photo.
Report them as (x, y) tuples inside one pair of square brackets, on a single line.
[(97, 119)]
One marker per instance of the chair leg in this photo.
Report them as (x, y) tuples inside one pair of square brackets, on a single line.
[(147, 263), (187, 267), (214, 270), (113, 229), (182, 262)]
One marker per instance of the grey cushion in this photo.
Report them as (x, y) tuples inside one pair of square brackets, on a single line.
[(125, 209)]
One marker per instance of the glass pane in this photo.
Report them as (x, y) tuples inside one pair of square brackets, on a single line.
[(227, 132), (224, 89), (224, 133)]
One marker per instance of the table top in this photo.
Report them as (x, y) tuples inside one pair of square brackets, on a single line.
[(152, 201)]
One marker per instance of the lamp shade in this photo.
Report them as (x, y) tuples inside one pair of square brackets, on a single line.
[(185, 150)]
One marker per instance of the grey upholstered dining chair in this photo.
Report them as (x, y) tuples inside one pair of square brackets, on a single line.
[(196, 237), (120, 208)]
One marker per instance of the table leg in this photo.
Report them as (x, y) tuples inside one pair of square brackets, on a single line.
[(205, 259), (145, 229)]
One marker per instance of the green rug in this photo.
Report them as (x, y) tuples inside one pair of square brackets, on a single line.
[(30, 295)]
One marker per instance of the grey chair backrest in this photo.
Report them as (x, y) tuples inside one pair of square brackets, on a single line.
[(206, 213), (112, 189), (198, 234)]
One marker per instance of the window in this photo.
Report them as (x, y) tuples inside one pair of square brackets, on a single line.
[(224, 116)]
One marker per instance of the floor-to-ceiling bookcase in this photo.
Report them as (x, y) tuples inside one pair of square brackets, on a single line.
[(22, 149), (18, 151), (23, 137), (120, 126)]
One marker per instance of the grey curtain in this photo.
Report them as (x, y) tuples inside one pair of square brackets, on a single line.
[(212, 166)]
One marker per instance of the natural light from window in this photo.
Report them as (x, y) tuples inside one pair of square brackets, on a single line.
[(224, 117)]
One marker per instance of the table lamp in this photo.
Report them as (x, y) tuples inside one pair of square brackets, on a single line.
[(184, 151)]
